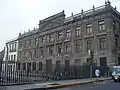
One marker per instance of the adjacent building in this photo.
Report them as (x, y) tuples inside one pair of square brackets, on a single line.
[(1, 59), (62, 42), (10, 55)]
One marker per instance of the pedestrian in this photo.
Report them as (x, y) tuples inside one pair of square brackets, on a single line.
[(97, 74)]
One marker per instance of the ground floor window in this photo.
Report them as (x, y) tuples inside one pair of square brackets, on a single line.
[(103, 61), (118, 60)]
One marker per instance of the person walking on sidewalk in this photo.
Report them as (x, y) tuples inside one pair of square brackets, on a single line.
[(97, 74)]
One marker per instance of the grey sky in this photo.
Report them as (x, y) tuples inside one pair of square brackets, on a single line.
[(20, 15)]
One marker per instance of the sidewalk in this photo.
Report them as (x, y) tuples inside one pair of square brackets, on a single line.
[(51, 84)]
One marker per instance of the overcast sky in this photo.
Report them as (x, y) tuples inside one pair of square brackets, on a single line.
[(20, 15)]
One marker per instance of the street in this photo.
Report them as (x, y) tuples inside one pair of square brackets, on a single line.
[(106, 85)]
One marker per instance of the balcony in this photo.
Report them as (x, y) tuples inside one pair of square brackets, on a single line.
[(50, 43), (68, 39), (88, 35), (103, 32)]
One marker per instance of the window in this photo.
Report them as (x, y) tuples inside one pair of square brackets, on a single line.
[(103, 61), (24, 66), (102, 43), (14, 57), (77, 62), (77, 47), (34, 66), (77, 31), (59, 49), (41, 51), (68, 33), (36, 41), (30, 41), (116, 42), (50, 37), (43, 39), (114, 25), (89, 45), (68, 48), (10, 46), (58, 66), (50, 51), (60, 35), (118, 60), (29, 66), (67, 65), (89, 28), (11, 57), (101, 25), (30, 54), (35, 53), (15, 46), (18, 66), (40, 66)]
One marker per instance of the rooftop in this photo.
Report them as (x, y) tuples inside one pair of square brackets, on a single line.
[(80, 15)]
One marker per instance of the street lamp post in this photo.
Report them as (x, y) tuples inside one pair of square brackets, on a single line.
[(90, 53)]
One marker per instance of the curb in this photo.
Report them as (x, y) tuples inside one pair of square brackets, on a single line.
[(13, 84), (73, 84)]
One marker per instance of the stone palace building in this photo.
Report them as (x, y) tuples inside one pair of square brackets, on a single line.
[(62, 42)]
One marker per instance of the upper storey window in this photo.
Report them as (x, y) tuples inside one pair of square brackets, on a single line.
[(68, 33), (114, 25), (36, 41), (77, 31), (89, 45), (50, 37), (43, 39), (60, 35), (102, 42), (101, 25), (89, 28)]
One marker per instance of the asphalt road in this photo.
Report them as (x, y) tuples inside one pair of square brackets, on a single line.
[(106, 85)]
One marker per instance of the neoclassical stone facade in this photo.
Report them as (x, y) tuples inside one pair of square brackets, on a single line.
[(62, 42)]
